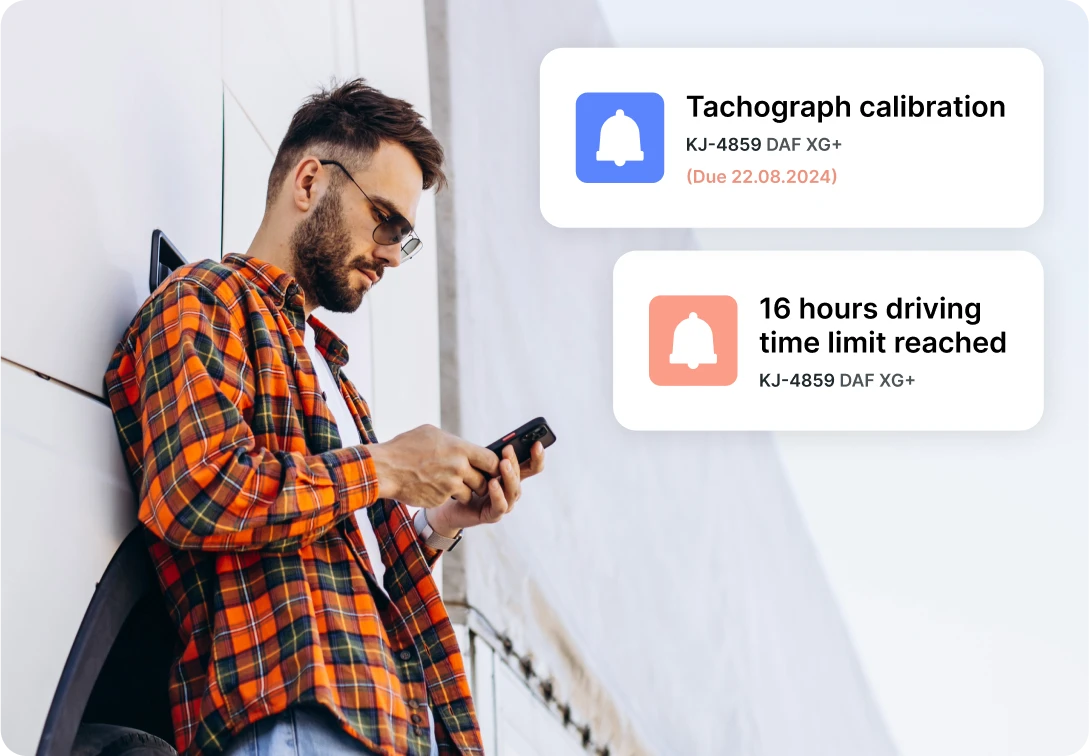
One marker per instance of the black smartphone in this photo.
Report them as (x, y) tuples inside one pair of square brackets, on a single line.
[(523, 439), (165, 258)]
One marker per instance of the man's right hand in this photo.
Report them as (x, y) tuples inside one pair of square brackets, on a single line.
[(426, 467)]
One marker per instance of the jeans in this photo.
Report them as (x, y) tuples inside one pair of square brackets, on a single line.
[(299, 731)]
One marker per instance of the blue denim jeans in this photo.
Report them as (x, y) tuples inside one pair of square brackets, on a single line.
[(298, 731)]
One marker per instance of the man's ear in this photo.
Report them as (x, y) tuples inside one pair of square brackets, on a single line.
[(304, 181)]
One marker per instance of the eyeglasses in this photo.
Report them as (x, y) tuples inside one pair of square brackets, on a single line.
[(392, 229)]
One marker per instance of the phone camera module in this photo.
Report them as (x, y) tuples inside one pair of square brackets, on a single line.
[(533, 435)]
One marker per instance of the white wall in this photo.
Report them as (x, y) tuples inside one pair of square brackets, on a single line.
[(98, 151)]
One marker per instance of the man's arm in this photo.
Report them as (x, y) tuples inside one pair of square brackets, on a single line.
[(205, 484)]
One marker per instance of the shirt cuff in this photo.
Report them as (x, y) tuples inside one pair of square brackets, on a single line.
[(354, 475)]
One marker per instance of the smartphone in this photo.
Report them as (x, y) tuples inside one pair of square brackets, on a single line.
[(165, 258), (523, 439)]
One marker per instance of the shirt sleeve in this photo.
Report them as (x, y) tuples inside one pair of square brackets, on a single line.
[(205, 483)]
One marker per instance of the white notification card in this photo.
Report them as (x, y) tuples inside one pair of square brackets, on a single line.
[(792, 138), (828, 340)]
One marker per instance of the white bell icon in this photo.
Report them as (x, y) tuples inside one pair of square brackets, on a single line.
[(619, 141), (693, 343)]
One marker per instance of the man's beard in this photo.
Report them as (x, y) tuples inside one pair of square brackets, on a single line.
[(321, 243)]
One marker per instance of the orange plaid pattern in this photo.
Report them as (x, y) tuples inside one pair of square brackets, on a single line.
[(248, 495)]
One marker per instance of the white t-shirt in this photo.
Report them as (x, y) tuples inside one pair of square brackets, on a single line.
[(349, 435)]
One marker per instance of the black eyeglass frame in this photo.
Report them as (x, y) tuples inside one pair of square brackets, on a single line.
[(408, 249)]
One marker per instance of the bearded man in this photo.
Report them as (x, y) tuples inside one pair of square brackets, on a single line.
[(303, 628)]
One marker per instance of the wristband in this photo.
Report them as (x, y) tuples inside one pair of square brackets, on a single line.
[(430, 537)]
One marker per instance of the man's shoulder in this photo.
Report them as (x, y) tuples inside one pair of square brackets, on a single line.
[(224, 282), (219, 289)]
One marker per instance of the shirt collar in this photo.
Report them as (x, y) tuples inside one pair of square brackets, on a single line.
[(280, 287), (284, 293), (331, 347)]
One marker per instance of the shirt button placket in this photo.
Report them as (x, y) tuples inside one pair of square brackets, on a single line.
[(418, 719)]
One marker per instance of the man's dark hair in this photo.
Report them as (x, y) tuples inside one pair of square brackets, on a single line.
[(347, 123)]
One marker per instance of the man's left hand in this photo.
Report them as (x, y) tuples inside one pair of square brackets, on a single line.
[(501, 495)]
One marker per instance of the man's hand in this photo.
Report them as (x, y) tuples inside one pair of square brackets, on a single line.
[(498, 500), (426, 467)]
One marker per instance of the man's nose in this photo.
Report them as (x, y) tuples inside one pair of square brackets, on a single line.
[(390, 254)]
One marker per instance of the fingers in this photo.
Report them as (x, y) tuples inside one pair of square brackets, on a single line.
[(482, 459), (511, 474), (497, 501), (535, 463), (475, 480), (428, 466), (492, 483), (462, 493)]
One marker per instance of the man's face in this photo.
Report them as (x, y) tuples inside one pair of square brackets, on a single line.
[(336, 258)]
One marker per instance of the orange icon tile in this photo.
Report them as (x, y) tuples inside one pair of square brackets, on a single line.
[(693, 340)]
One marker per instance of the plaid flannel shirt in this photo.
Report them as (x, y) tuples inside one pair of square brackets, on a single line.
[(248, 498)]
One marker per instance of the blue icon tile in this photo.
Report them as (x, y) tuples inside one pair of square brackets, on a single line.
[(619, 137)]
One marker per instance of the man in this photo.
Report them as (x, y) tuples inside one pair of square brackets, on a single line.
[(301, 628)]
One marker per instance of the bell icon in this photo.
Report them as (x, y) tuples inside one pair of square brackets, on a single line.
[(693, 343), (619, 140)]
